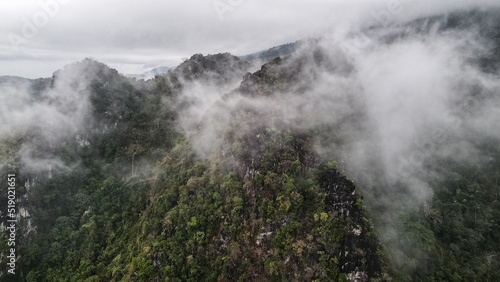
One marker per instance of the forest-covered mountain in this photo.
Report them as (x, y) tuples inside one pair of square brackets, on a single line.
[(341, 161)]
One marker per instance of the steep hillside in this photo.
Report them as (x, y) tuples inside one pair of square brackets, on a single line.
[(123, 195)]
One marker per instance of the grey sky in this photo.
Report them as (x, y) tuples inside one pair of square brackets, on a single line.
[(39, 37)]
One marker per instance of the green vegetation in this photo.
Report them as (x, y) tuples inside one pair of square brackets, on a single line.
[(138, 203)]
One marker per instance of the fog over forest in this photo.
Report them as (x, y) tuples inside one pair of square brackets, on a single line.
[(365, 148)]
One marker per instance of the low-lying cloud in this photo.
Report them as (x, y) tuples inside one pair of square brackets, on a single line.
[(409, 95)]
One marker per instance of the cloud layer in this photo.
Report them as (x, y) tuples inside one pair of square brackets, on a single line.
[(38, 37)]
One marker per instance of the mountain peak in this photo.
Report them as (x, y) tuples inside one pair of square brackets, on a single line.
[(87, 71), (219, 66)]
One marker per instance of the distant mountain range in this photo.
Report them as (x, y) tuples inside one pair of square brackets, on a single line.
[(149, 74), (277, 51)]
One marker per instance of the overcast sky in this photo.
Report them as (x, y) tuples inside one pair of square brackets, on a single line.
[(38, 37)]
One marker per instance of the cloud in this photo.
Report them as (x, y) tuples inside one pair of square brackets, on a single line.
[(162, 32), (59, 114)]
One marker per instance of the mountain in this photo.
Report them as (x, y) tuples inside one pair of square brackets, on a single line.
[(109, 159), (150, 74), (277, 51), (331, 162)]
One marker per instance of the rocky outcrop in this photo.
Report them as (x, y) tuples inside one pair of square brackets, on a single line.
[(219, 68), (358, 255)]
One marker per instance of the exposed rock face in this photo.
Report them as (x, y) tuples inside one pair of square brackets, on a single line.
[(219, 68), (262, 149), (358, 252)]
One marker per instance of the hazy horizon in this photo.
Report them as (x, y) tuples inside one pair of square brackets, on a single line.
[(40, 37)]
